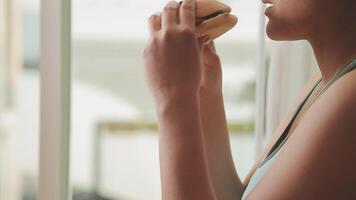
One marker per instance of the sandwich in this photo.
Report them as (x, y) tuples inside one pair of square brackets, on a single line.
[(213, 18)]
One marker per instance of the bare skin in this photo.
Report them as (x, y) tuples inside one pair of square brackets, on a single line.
[(184, 77)]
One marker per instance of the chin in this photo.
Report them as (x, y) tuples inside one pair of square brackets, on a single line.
[(280, 32)]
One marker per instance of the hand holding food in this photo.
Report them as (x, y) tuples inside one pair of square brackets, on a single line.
[(171, 57), (173, 62), (213, 18)]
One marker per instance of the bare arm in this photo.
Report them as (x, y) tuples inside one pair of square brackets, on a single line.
[(226, 182), (172, 70), (184, 169)]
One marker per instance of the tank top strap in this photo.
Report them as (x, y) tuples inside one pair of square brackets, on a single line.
[(282, 139), (344, 71)]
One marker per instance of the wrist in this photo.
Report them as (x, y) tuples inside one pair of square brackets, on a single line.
[(181, 104), (212, 109), (210, 95)]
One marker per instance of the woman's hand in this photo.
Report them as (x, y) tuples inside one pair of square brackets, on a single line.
[(211, 82), (172, 59), (173, 72), (225, 180)]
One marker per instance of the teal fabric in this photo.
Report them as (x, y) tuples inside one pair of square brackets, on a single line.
[(262, 169)]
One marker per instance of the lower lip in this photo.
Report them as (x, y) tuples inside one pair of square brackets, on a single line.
[(268, 10)]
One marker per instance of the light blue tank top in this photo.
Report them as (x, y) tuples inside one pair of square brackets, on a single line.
[(262, 169)]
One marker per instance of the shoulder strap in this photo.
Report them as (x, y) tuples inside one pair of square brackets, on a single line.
[(344, 71), (282, 139)]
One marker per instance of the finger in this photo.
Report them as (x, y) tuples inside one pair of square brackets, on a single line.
[(187, 13), (210, 59), (169, 16), (212, 72), (154, 23), (202, 42), (211, 45)]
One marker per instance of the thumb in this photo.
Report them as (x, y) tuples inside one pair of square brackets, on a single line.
[(212, 71)]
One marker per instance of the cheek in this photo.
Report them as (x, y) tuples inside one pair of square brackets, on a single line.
[(290, 20)]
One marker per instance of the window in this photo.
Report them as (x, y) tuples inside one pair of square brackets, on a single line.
[(114, 151), (113, 129), (19, 99)]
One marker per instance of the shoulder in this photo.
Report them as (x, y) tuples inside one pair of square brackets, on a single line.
[(340, 98), (345, 86), (338, 103), (318, 161)]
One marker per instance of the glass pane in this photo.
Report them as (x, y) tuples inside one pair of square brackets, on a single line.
[(114, 150), (19, 99)]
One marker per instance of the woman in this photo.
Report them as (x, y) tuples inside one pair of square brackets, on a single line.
[(311, 157)]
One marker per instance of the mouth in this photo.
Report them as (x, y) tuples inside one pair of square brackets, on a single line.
[(269, 6), (268, 3), (268, 10)]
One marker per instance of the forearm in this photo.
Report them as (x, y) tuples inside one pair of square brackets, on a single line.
[(183, 165), (226, 182)]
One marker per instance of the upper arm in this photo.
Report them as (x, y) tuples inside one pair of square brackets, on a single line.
[(318, 161)]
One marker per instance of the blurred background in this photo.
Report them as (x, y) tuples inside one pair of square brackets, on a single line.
[(114, 141), (113, 119)]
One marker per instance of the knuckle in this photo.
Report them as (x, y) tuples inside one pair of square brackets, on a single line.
[(145, 55), (187, 7), (152, 18), (217, 59), (144, 52), (151, 47), (187, 32), (169, 33), (154, 44)]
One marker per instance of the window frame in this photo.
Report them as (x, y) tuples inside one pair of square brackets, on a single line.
[(261, 84), (55, 100)]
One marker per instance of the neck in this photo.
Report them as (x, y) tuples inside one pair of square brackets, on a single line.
[(333, 51)]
